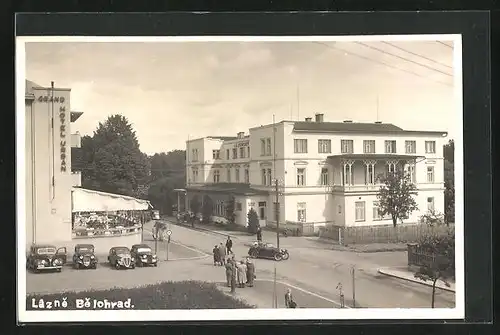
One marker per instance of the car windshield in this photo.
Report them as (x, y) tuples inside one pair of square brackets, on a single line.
[(46, 251), (269, 245), (122, 251), (143, 249), (85, 249)]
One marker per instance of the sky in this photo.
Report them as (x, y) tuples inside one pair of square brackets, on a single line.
[(172, 91)]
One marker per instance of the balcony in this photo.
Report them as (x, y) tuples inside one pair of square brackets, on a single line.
[(76, 140), (76, 179), (356, 188)]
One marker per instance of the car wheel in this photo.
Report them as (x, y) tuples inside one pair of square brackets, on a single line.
[(59, 270), (117, 266), (94, 267), (132, 267), (254, 253), (277, 257), (286, 256), (156, 264)]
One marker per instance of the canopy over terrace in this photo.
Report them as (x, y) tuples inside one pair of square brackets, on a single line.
[(84, 200)]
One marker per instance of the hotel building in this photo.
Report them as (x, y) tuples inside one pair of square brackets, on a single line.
[(327, 172)]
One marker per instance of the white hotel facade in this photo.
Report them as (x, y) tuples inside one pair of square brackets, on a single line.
[(327, 171)]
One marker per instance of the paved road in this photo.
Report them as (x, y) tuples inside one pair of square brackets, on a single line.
[(320, 270)]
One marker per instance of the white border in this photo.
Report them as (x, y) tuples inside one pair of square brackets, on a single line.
[(254, 314)]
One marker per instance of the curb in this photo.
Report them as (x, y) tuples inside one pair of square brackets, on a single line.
[(381, 271)]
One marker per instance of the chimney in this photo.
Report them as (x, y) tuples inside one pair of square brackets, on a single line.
[(241, 134), (347, 121), (378, 122), (308, 119), (319, 117)]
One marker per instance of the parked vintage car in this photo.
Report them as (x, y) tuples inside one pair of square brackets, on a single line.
[(45, 257), (143, 255), (120, 257), (84, 257), (268, 250)]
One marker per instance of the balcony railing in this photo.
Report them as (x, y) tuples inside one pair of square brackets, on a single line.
[(357, 188)]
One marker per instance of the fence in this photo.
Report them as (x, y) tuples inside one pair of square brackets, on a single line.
[(402, 233), (91, 232), (298, 228), (418, 257)]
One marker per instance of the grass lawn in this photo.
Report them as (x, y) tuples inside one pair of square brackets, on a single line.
[(166, 295)]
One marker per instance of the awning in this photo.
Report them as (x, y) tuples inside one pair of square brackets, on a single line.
[(84, 200)]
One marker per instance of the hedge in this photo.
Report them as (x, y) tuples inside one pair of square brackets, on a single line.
[(165, 295)]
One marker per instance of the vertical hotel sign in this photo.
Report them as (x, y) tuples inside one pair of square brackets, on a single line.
[(62, 128)]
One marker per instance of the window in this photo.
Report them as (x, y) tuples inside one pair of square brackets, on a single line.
[(237, 175), (228, 175), (324, 146), (369, 146), (248, 149), (430, 147), (242, 152), (269, 177), (391, 168), (410, 171), (227, 154), (347, 175), (195, 175), (300, 146), (339, 207), (370, 175), (376, 214), (235, 153), (276, 208), (360, 211), (247, 176), (301, 177), (347, 146), (262, 147), (324, 176), (195, 155), (430, 204), (410, 147), (262, 210), (390, 147), (216, 154), (238, 207), (301, 212), (264, 178), (216, 176), (268, 147), (430, 174)]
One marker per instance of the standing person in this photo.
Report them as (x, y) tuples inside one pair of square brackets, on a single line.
[(242, 274), (229, 272), (250, 272), (259, 234), (222, 252), (288, 298), (234, 275), (229, 245), (215, 251)]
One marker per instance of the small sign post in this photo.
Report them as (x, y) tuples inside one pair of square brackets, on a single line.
[(169, 232)]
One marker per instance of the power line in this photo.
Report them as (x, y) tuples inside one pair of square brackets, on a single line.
[(403, 58), (446, 45), (418, 55), (379, 62)]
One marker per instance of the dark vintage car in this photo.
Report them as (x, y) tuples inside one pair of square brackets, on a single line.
[(268, 250), (120, 257), (84, 257), (143, 255), (46, 257)]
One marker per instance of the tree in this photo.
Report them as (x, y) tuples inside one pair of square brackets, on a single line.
[(442, 266), (113, 160), (396, 196), (195, 205), (207, 209), (253, 221), (432, 218), (449, 181), (230, 210)]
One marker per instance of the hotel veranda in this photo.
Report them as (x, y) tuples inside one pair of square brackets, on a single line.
[(327, 172)]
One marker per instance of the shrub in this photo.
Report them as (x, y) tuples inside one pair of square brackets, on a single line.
[(253, 221), (166, 295)]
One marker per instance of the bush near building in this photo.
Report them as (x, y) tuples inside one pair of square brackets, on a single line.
[(166, 295), (253, 221)]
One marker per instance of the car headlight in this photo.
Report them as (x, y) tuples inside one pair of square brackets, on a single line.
[(41, 261), (81, 256), (57, 261), (92, 256), (154, 256), (133, 259)]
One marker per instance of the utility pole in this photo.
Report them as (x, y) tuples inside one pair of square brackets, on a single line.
[(353, 271), (275, 293), (276, 187)]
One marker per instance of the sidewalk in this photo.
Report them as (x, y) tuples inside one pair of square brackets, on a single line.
[(404, 274), (209, 229), (361, 248)]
